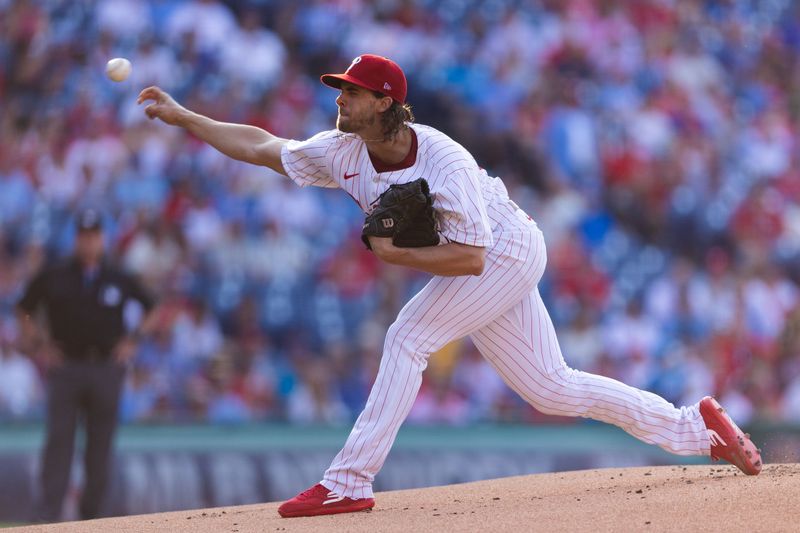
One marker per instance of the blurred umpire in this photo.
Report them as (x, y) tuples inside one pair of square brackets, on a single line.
[(87, 330)]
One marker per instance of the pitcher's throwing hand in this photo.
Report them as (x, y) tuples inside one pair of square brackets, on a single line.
[(163, 106)]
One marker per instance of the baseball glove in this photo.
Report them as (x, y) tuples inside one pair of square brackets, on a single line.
[(404, 213)]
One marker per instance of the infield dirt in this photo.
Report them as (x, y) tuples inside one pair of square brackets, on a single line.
[(670, 498)]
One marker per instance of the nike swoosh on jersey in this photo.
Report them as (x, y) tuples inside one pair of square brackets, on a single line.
[(348, 176)]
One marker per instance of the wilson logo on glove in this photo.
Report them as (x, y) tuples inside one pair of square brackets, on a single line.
[(405, 212)]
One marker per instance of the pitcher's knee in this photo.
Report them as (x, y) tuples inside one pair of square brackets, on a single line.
[(395, 337), (552, 408), (558, 393), (406, 331), (405, 339)]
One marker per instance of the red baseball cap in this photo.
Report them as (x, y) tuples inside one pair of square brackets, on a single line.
[(372, 72)]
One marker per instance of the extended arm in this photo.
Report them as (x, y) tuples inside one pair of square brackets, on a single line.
[(451, 259), (239, 141)]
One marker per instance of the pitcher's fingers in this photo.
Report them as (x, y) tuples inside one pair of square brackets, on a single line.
[(147, 94), (151, 111), (150, 93)]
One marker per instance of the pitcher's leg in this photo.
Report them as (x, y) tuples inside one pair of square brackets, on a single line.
[(446, 309), (390, 400), (523, 347)]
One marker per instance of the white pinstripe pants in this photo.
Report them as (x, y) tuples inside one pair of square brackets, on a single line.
[(505, 316)]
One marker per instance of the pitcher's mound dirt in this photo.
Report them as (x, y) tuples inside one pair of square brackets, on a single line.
[(671, 498)]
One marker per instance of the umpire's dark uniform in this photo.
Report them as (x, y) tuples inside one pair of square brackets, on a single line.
[(84, 300)]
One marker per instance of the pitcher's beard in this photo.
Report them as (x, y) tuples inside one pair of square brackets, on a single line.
[(350, 125)]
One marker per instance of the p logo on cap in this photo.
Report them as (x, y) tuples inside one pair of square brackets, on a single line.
[(355, 61), (372, 72)]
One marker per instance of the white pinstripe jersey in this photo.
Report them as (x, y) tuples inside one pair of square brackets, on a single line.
[(472, 207)]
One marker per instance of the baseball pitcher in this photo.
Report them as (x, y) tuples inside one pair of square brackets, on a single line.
[(429, 206)]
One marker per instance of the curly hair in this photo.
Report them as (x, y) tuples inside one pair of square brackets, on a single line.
[(395, 118)]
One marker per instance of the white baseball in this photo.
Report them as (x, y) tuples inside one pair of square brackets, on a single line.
[(118, 69)]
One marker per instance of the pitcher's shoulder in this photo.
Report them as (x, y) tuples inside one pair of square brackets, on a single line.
[(442, 152), (332, 137), (423, 131), (321, 144)]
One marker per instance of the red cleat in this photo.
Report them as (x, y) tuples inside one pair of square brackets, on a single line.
[(318, 501), (727, 440)]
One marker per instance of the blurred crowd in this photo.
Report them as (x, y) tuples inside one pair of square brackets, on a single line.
[(655, 142)]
